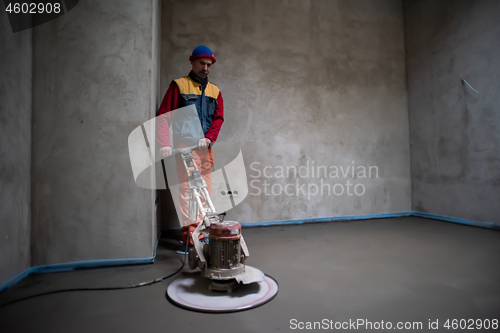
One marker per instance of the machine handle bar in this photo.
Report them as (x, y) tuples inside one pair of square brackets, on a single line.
[(185, 149)]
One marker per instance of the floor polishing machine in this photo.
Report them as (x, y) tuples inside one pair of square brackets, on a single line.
[(219, 251)]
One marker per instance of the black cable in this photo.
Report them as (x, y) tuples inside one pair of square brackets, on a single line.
[(142, 284)]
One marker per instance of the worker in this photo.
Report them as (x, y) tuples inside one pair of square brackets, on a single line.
[(196, 89)]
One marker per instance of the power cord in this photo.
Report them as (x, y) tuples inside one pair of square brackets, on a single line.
[(142, 284)]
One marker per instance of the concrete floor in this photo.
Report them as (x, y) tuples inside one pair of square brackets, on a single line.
[(398, 270)]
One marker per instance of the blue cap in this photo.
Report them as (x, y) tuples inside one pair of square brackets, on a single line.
[(202, 52)]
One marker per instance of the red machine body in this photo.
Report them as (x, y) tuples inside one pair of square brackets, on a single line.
[(225, 231)]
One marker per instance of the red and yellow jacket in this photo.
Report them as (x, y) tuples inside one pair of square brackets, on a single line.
[(190, 91)]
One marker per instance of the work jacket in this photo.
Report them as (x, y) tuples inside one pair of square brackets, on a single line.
[(203, 119), (203, 97)]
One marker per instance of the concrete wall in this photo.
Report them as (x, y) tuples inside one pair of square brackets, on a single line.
[(318, 82), (92, 85), (455, 132), (15, 149)]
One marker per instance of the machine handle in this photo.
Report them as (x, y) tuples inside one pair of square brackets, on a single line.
[(184, 149)]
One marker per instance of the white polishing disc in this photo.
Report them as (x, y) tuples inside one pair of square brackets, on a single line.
[(191, 291)]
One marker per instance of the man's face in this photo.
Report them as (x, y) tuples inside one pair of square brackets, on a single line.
[(201, 67)]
